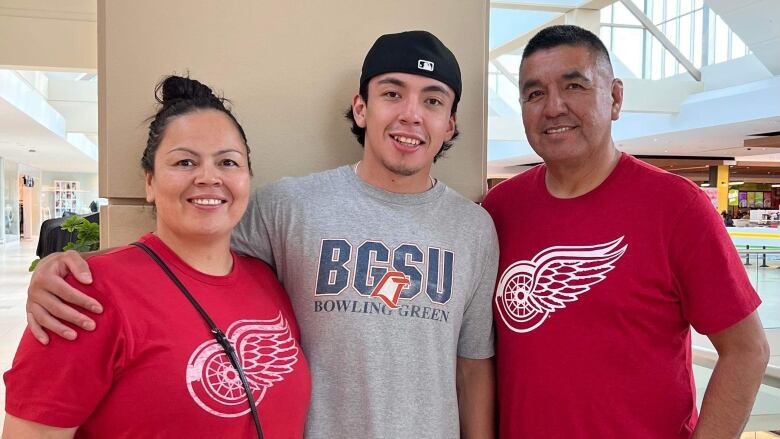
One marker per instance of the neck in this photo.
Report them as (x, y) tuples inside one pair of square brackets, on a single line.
[(576, 178), (208, 255), (379, 176)]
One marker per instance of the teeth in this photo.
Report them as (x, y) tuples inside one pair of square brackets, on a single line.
[(407, 140), (206, 201), (557, 130)]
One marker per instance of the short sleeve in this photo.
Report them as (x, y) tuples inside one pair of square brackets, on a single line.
[(712, 284), (251, 236), (61, 384), (476, 331)]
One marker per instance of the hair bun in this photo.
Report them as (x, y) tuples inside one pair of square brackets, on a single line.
[(175, 88)]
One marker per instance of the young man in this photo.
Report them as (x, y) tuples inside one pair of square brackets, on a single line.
[(593, 312), (390, 272)]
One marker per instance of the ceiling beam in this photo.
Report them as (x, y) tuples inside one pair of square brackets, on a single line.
[(763, 142), (504, 71), (529, 7), (522, 40), (668, 45), (759, 164)]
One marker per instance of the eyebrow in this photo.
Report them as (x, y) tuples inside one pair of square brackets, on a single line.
[(575, 74), (436, 89), (428, 89), (531, 83), (220, 152), (568, 76), (391, 80)]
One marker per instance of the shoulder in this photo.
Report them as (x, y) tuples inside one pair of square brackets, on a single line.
[(512, 187), (120, 258), (649, 176), (111, 268), (467, 213), (290, 188)]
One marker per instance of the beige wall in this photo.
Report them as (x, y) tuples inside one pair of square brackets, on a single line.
[(48, 34), (290, 68)]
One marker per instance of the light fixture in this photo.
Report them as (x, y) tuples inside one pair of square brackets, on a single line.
[(705, 185), (736, 183), (776, 185)]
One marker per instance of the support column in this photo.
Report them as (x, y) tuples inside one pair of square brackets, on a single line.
[(719, 178), (289, 89)]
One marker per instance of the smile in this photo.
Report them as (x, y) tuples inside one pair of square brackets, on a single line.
[(408, 141), (558, 130), (207, 201)]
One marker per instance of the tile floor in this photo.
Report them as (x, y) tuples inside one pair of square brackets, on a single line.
[(16, 258)]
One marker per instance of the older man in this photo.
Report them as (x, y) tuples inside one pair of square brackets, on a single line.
[(594, 311)]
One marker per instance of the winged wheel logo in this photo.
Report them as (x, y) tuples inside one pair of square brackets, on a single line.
[(529, 291), (267, 352)]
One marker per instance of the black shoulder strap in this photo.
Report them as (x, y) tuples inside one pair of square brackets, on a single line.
[(215, 331)]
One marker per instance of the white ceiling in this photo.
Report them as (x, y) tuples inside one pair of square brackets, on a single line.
[(19, 134), (757, 22)]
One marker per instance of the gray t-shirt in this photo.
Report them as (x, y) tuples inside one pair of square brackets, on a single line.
[(388, 290)]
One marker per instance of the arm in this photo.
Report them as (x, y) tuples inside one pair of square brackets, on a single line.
[(743, 354), (475, 383), (16, 427), (49, 297)]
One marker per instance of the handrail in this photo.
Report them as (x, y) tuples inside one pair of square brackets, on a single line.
[(758, 251), (708, 357)]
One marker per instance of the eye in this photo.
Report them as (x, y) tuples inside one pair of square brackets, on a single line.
[(533, 95), (228, 163), (392, 94), (185, 163), (434, 102), (575, 86)]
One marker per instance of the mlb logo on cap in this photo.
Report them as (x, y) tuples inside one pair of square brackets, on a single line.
[(425, 65)]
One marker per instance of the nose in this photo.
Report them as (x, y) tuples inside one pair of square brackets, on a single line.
[(554, 105), (208, 175), (410, 113)]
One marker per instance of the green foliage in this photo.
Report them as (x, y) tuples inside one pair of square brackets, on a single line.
[(33, 264), (87, 236)]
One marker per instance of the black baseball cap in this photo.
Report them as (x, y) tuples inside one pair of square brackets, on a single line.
[(415, 52)]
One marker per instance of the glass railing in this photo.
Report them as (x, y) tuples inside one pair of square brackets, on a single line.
[(759, 251), (759, 248), (765, 415)]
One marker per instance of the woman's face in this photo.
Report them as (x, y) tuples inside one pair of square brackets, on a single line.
[(201, 180)]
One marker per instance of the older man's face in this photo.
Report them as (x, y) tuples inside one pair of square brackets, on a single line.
[(569, 100)]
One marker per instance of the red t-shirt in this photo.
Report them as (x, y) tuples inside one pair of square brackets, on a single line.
[(595, 299), (152, 367)]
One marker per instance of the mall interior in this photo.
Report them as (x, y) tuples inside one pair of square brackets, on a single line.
[(702, 100)]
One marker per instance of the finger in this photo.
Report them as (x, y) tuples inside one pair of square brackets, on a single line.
[(36, 330), (57, 287), (76, 265), (47, 321), (64, 312)]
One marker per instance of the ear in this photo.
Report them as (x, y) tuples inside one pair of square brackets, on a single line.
[(359, 110), (149, 180), (617, 98), (451, 127)]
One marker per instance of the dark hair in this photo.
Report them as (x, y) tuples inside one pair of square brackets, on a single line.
[(568, 35), (360, 132), (177, 96)]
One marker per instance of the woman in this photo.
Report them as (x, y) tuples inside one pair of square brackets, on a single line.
[(153, 367)]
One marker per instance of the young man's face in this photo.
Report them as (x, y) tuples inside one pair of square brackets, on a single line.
[(407, 119), (569, 100)]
